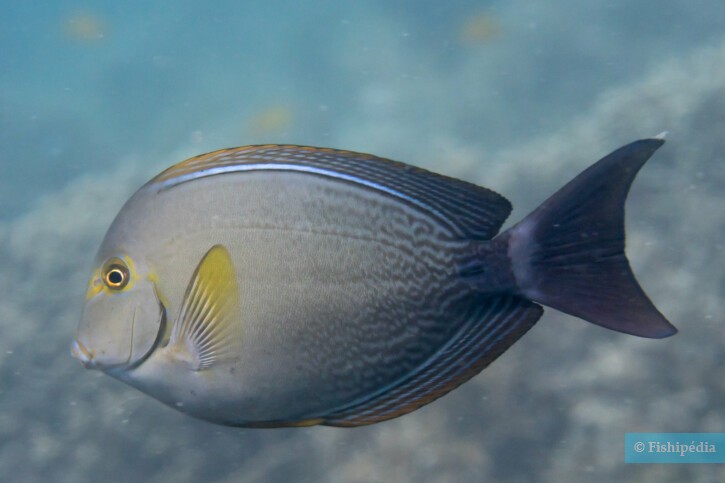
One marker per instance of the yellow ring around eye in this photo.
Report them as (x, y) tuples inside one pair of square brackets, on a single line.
[(115, 274)]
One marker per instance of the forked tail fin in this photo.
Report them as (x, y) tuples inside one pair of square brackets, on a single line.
[(569, 252)]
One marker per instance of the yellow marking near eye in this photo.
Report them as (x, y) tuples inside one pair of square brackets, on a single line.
[(97, 284), (132, 273), (116, 276)]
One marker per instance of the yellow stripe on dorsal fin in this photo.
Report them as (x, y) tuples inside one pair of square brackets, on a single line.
[(221, 157), (209, 325)]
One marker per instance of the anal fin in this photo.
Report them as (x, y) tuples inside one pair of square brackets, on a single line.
[(494, 325)]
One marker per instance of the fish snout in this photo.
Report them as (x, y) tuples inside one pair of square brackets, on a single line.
[(80, 352)]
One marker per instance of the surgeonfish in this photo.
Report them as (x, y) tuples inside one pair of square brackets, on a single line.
[(278, 285)]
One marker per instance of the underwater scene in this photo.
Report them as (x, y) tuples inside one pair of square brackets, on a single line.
[(98, 98)]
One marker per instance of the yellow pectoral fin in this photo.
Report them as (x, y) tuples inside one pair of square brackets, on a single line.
[(209, 324)]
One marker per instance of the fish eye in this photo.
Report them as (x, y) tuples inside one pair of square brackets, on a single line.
[(115, 274)]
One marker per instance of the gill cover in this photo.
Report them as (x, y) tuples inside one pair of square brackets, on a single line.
[(122, 319)]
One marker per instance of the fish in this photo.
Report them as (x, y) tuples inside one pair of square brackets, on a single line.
[(292, 286)]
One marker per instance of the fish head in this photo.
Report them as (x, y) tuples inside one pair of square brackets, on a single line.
[(123, 318)]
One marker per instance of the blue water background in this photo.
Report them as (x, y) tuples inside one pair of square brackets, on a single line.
[(96, 97)]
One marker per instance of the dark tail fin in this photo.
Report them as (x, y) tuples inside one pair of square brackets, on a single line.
[(569, 253)]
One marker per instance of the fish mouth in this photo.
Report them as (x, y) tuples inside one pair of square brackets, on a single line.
[(80, 352), (87, 357)]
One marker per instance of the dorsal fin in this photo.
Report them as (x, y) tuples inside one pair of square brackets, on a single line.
[(209, 321), (477, 213), (492, 327)]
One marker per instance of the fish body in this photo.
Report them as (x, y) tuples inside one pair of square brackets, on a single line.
[(290, 286)]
